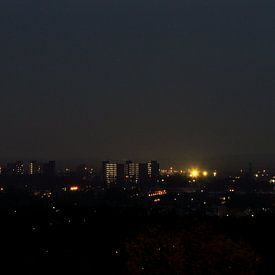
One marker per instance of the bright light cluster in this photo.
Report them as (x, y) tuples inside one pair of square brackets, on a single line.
[(196, 173), (157, 193)]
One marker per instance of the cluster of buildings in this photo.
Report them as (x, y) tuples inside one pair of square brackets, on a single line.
[(84, 171), (131, 172), (19, 168), (111, 172)]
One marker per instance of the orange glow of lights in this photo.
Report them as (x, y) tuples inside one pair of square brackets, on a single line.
[(74, 188), (157, 193), (194, 173), (205, 173)]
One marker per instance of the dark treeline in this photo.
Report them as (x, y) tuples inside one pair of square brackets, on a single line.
[(79, 234)]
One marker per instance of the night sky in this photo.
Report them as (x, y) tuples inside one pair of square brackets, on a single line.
[(180, 80)]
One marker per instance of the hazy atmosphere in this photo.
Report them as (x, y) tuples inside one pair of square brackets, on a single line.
[(171, 80)]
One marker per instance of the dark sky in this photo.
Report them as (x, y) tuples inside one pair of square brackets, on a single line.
[(169, 79)]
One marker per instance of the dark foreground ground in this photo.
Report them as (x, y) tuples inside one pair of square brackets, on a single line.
[(71, 236)]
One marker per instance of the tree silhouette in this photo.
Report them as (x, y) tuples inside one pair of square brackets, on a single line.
[(197, 251)]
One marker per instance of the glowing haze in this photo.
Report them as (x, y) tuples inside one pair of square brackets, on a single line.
[(171, 80)]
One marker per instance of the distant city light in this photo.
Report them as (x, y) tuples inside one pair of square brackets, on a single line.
[(157, 193), (74, 188), (205, 173), (194, 173)]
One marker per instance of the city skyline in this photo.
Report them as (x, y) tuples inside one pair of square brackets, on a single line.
[(224, 163), (40, 166), (136, 137)]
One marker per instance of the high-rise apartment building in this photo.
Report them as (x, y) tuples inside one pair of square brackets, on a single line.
[(153, 170), (16, 168), (34, 168), (109, 172), (130, 172), (49, 169)]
